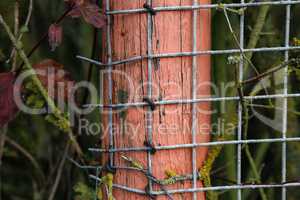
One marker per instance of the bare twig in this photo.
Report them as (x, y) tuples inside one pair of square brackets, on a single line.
[(52, 107), (255, 33), (27, 155), (33, 77), (26, 24), (250, 158), (236, 39), (16, 32), (75, 144), (44, 36), (273, 108), (29, 14), (243, 105), (241, 50), (59, 172), (272, 70)]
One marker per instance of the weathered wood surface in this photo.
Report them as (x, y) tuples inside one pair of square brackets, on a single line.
[(172, 79)]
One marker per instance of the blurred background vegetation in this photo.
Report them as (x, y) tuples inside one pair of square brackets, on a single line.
[(34, 149)]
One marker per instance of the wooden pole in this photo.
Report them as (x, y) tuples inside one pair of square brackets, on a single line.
[(171, 79)]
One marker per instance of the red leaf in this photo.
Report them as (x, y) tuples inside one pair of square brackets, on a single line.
[(89, 11), (8, 107), (75, 12), (91, 14), (54, 73), (77, 2), (55, 36)]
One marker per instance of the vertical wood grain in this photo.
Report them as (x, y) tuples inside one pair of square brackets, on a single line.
[(172, 79)]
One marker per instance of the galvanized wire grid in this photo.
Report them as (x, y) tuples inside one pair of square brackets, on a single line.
[(194, 100)]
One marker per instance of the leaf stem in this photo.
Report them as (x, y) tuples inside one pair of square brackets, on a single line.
[(45, 35), (18, 45), (272, 70)]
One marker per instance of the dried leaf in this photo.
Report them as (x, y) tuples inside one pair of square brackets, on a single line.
[(54, 74), (92, 15), (55, 36), (76, 2), (89, 11), (8, 106), (75, 12)]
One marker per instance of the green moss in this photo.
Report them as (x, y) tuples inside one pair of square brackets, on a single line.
[(204, 172), (84, 192)]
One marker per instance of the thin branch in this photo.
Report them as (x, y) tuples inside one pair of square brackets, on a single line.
[(26, 24), (44, 36), (29, 67), (16, 32), (51, 105), (255, 172), (255, 33), (29, 14), (59, 173), (244, 107), (272, 70), (27, 155), (272, 107), (251, 160), (236, 39), (75, 144), (241, 50)]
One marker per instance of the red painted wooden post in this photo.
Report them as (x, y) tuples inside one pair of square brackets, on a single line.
[(172, 79)]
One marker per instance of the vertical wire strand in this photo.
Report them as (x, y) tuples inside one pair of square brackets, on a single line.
[(109, 62), (240, 108), (285, 103), (149, 114), (194, 96), (149, 89)]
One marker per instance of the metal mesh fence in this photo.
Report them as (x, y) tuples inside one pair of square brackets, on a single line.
[(239, 141)]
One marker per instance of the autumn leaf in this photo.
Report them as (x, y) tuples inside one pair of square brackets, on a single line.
[(55, 36), (77, 2), (89, 11), (91, 15), (52, 72), (8, 106)]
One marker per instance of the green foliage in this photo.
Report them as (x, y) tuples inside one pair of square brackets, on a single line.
[(106, 181), (38, 138), (84, 192), (32, 132), (62, 124), (24, 29), (34, 98), (133, 163), (296, 41)]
